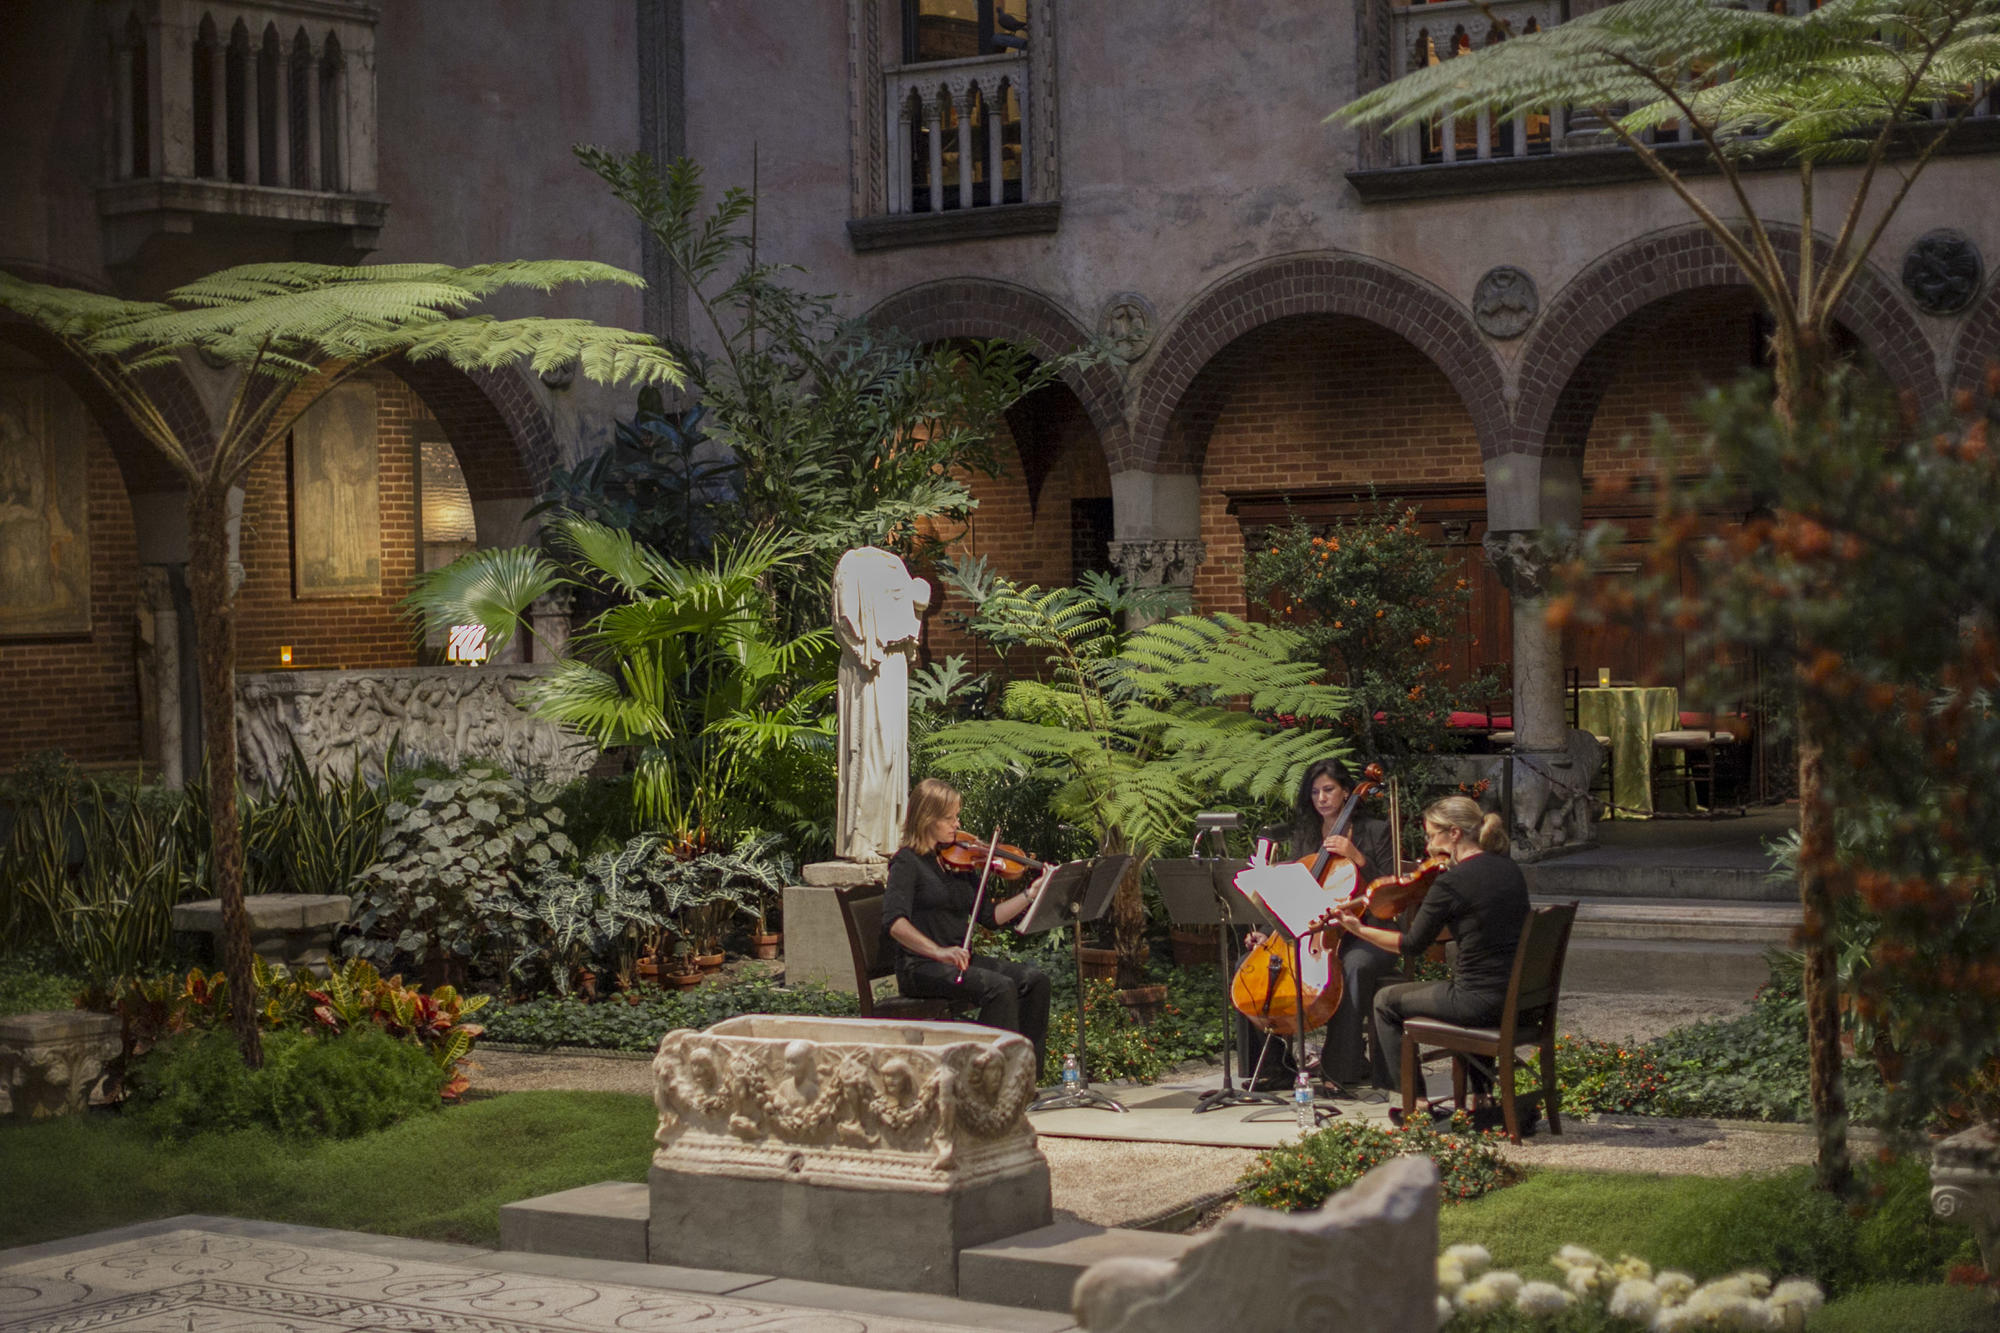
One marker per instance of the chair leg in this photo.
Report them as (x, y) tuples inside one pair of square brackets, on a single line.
[(1458, 1081), (1507, 1111), (1551, 1093), (1409, 1077)]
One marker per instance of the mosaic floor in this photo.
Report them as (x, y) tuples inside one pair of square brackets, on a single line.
[(198, 1281)]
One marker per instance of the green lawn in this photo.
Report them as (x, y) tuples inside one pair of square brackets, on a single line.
[(438, 1177)]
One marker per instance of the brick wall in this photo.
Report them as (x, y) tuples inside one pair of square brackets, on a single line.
[(1323, 402), (350, 632), (80, 694), (1671, 353)]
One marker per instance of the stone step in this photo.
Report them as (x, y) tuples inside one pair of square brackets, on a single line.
[(1682, 919), (1722, 969), (1038, 1269), (1597, 876), (603, 1221)]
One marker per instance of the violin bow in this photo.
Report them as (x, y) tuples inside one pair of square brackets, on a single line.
[(985, 873)]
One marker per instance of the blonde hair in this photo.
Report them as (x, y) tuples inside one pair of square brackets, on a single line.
[(1463, 813), (930, 800)]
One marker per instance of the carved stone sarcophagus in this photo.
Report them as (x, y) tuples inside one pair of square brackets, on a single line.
[(843, 1149)]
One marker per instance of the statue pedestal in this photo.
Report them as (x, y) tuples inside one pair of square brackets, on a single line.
[(1965, 1186), (815, 939), (786, 1142)]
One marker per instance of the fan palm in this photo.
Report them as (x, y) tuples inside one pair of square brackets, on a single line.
[(1138, 731), (292, 332), (683, 665)]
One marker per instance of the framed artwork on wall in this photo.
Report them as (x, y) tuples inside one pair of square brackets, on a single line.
[(337, 497), (44, 509)]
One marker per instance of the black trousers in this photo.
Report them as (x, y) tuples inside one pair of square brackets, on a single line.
[(1394, 1005), (1344, 1058), (1010, 995)]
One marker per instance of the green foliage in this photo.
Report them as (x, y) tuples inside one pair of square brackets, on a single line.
[(30, 981), (444, 860), (842, 434), (1116, 1045), (662, 479), (315, 833), (1377, 605), (309, 1085), (1608, 1076), (1303, 1174), (620, 1025), (683, 665), (76, 1174)]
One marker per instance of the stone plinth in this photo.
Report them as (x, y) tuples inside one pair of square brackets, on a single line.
[(815, 940), (50, 1061), (1965, 1186), (295, 929), (844, 1150), (1366, 1258)]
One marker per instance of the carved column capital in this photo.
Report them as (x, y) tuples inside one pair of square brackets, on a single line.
[(1524, 560), (1150, 562)]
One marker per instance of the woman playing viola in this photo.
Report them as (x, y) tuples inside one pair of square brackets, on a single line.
[(1322, 795), (925, 913), (1483, 897)]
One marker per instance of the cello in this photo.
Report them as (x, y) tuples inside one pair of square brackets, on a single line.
[(1266, 990)]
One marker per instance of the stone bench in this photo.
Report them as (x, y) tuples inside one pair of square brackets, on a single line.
[(51, 1061), (295, 929)]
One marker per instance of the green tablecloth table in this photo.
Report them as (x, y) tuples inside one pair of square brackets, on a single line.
[(1630, 715)]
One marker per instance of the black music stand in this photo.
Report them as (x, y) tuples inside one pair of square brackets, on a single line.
[(1321, 1111), (1200, 891), (1078, 892)]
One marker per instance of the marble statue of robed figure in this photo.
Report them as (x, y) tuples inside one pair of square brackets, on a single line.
[(875, 616)]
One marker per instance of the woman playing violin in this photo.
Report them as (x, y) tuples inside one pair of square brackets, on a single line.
[(1366, 845), (925, 913), (1483, 897)]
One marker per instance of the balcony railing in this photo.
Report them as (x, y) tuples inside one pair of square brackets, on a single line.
[(955, 134)]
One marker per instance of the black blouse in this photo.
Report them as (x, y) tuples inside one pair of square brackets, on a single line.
[(1484, 899), (934, 899)]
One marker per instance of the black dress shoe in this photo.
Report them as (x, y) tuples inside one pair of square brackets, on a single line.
[(1271, 1081)]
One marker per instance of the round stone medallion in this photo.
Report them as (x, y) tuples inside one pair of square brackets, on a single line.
[(1127, 324), (1505, 302), (1942, 272)]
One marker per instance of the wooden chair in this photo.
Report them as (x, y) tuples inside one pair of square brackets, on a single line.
[(1701, 750), (861, 913), (1528, 1019)]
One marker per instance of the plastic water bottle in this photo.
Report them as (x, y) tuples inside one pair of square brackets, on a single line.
[(1072, 1073), (1302, 1102)]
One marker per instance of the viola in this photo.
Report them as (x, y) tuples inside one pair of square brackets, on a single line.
[(966, 851), (1266, 989)]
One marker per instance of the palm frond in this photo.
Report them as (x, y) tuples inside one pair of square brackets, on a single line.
[(492, 588)]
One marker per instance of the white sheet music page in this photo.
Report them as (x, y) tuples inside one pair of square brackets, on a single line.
[(1288, 892)]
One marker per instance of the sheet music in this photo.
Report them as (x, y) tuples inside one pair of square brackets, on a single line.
[(1289, 893)]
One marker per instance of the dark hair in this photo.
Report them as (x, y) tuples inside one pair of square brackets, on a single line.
[(1307, 830)]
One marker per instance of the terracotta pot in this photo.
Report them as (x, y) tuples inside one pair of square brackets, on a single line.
[(708, 962), (1099, 964), (1193, 945), (682, 980), (586, 984), (648, 969), (766, 946), (1144, 1003)]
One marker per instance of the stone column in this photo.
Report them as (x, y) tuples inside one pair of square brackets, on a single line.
[(1550, 784), (549, 616), (1157, 562), (160, 672)]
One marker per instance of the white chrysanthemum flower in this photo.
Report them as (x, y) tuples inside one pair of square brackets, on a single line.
[(1542, 1299), (1792, 1301), (1479, 1298), (1674, 1287), (1671, 1318), (1718, 1306), (1450, 1276), (1736, 1284), (1760, 1284), (1504, 1281), (1571, 1255), (1445, 1311), (1583, 1280), (1474, 1259), (1631, 1266), (1636, 1299)]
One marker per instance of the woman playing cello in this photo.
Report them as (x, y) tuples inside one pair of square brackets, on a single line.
[(1323, 793), (927, 908)]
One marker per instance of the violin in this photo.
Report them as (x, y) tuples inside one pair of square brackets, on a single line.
[(1266, 990), (1385, 898), (966, 851)]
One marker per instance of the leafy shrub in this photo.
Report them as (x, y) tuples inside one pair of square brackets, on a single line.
[(464, 841), (309, 1086), (1304, 1174), (624, 1026), (1753, 1067), (1116, 1046), (1606, 1076), (30, 982)]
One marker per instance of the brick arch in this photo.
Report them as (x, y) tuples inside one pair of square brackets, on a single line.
[(968, 307), (1555, 383), (1978, 343), (144, 468), (1312, 284), (505, 445)]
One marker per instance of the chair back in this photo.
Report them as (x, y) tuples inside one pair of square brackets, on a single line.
[(861, 913), (1538, 965)]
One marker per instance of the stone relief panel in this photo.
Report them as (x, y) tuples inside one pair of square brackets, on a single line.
[(1942, 272), (929, 1106), (337, 497), (344, 721), (1505, 302), (44, 509), (1128, 324)]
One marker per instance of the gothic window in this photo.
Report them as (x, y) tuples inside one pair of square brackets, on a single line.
[(299, 91), (240, 97), (332, 73), (207, 60), (957, 29)]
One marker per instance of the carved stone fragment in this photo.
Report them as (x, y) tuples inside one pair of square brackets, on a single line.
[(1965, 1186), (50, 1061)]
